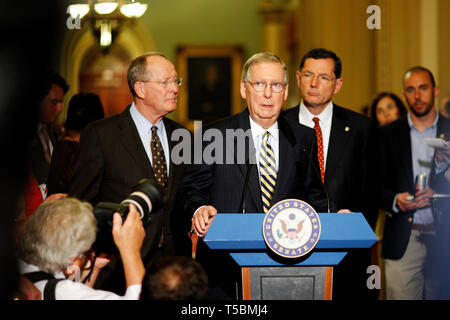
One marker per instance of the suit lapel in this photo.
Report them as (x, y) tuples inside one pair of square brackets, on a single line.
[(173, 169), (129, 137), (340, 132), (405, 149), (254, 188), (285, 163)]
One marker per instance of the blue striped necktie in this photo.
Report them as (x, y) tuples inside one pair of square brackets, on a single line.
[(267, 171)]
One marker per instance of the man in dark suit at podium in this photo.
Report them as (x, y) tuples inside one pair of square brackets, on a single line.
[(280, 156), (347, 144), (117, 152)]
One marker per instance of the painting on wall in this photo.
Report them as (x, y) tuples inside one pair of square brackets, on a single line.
[(211, 76)]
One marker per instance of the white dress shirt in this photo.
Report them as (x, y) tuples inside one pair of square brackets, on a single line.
[(70, 290), (144, 128), (305, 117), (258, 133)]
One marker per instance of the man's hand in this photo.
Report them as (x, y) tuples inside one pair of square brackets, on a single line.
[(129, 238), (202, 220), (100, 262), (403, 203), (422, 198)]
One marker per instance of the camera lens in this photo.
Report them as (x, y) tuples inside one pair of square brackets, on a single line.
[(147, 197), (140, 200)]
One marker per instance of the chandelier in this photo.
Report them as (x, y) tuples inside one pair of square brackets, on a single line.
[(106, 16)]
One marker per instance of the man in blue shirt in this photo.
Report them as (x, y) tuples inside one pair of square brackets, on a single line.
[(119, 151), (404, 155)]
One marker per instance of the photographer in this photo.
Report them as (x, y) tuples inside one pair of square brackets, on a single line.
[(57, 244)]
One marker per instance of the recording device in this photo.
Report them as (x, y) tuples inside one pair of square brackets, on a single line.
[(147, 196)]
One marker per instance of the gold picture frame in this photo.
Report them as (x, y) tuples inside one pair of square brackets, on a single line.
[(211, 77)]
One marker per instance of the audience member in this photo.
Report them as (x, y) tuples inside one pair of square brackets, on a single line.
[(387, 107), (55, 250), (175, 278), (409, 225), (84, 108), (50, 107)]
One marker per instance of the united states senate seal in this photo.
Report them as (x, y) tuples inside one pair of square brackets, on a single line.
[(291, 228)]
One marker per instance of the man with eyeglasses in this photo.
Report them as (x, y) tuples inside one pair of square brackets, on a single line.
[(276, 165), (117, 152), (346, 143)]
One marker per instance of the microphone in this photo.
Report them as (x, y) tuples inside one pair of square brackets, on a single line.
[(244, 191), (316, 170)]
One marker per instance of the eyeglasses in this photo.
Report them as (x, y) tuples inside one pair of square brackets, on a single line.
[(166, 83), (322, 77), (261, 86), (89, 265)]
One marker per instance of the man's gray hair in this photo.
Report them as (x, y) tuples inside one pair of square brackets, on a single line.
[(263, 57), (57, 232), (138, 69)]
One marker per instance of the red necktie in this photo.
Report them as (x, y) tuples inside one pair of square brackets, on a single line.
[(319, 147)]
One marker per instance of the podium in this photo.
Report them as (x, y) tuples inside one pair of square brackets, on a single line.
[(266, 276)]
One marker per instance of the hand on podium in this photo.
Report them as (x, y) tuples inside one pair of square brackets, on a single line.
[(202, 220)]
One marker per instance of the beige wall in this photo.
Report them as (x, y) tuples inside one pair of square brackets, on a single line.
[(444, 46), (341, 26), (413, 32)]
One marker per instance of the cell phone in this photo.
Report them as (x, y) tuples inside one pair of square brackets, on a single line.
[(410, 198)]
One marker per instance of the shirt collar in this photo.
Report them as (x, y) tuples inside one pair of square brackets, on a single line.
[(257, 130), (412, 126), (142, 122), (307, 116)]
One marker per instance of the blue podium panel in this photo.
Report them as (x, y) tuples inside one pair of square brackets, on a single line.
[(262, 259), (232, 231)]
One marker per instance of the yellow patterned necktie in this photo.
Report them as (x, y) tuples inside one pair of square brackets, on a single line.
[(267, 171)]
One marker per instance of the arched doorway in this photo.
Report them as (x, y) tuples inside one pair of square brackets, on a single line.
[(87, 68), (105, 74)]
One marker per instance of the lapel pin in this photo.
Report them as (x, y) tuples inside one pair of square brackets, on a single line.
[(347, 128)]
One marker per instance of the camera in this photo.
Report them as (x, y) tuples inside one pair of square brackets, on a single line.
[(147, 196)]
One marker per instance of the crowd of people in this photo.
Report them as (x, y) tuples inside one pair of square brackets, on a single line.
[(366, 164)]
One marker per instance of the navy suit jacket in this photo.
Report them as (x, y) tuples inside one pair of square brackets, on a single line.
[(222, 185), (351, 166)]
